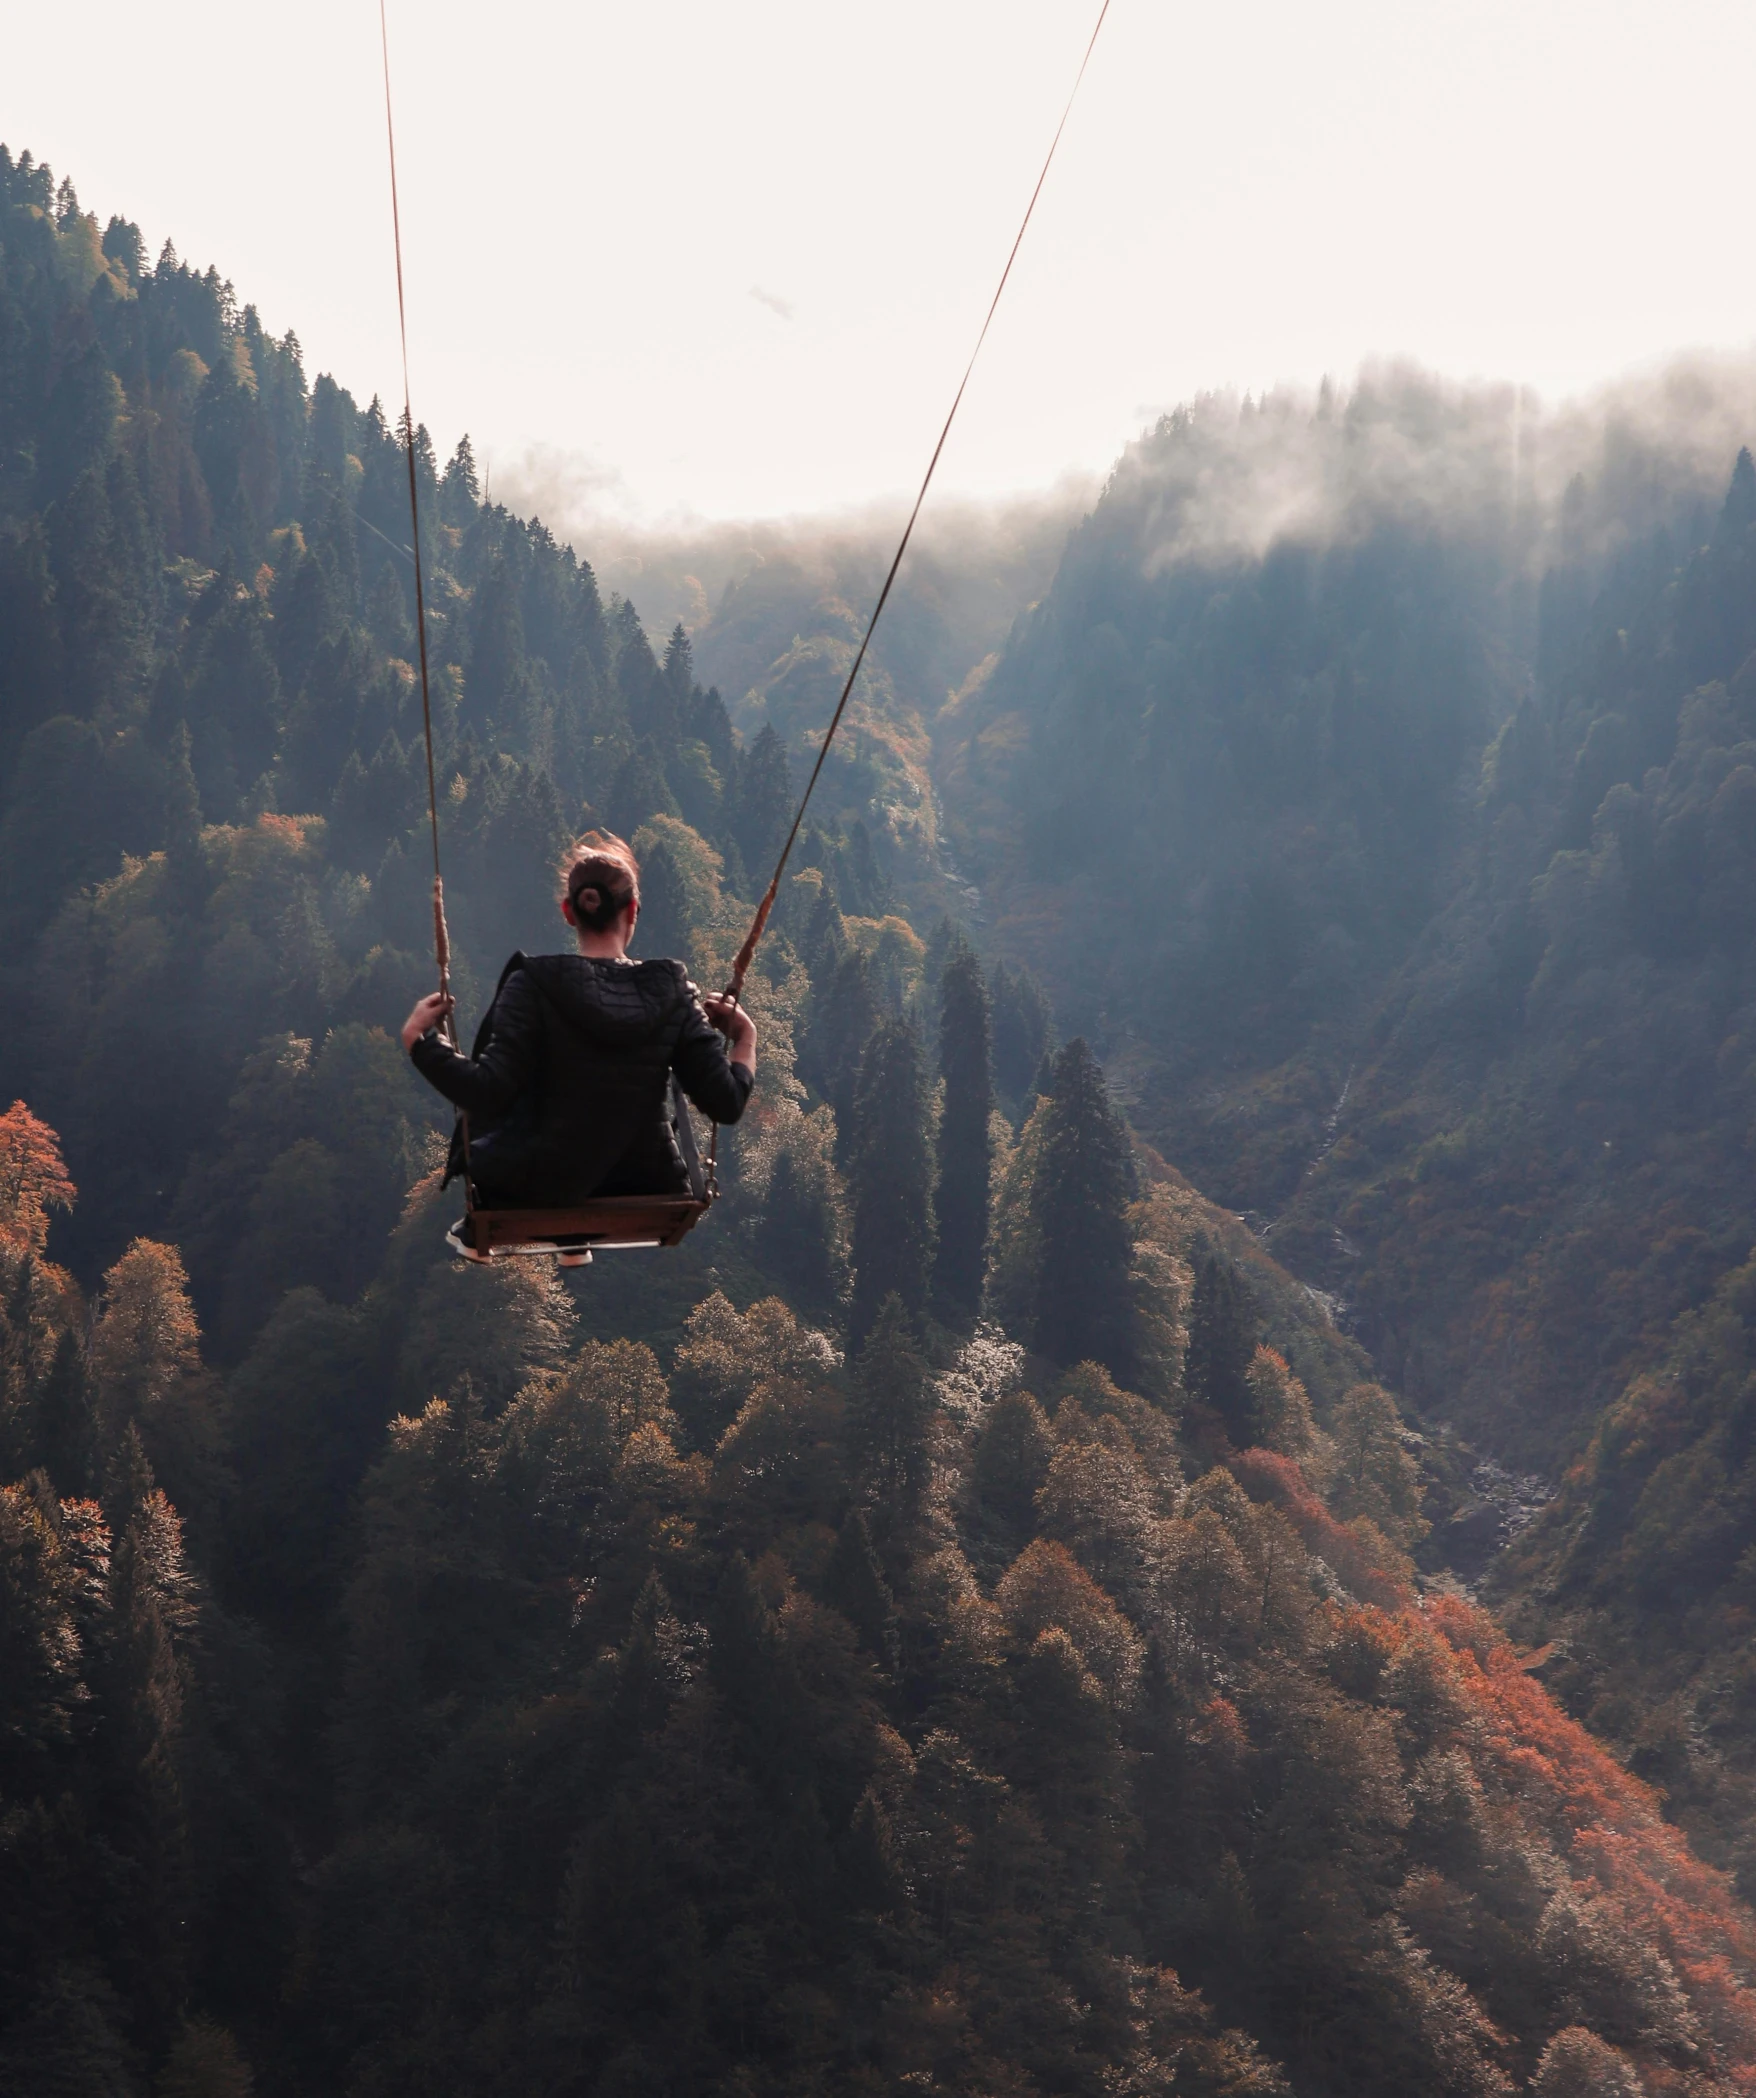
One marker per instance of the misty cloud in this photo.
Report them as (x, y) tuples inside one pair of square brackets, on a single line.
[(773, 301), (1222, 478), (1230, 477)]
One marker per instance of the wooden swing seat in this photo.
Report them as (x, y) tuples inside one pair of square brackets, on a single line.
[(611, 1222)]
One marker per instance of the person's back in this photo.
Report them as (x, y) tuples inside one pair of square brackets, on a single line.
[(568, 1089)]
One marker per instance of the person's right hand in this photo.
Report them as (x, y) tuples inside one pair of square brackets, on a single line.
[(725, 1013), (427, 1013)]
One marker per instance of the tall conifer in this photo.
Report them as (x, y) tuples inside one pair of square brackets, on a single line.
[(461, 490), (663, 931), (891, 1169), (843, 1014), (1083, 1188), (1021, 1031), (965, 1149), (890, 1421), (1222, 1346), (762, 806)]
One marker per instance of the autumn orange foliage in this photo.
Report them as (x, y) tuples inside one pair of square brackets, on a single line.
[(1609, 1827), (33, 1180), (1354, 1551)]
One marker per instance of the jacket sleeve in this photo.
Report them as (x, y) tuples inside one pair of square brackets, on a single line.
[(716, 1085), (489, 1083)]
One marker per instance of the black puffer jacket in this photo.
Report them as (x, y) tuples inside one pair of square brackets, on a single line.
[(568, 1091)]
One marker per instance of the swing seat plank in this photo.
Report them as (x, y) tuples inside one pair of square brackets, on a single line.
[(611, 1221)]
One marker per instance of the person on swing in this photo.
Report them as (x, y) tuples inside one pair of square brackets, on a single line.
[(568, 1092)]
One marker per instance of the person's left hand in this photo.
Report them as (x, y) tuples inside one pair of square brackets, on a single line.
[(428, 1013)]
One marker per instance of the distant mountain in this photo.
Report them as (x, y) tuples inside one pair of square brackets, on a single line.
[(1384, 817)]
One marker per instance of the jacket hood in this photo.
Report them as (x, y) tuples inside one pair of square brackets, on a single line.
[(617, 1005)]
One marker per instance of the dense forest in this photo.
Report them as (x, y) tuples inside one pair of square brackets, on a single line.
[(970, 1620), (1404, 813)]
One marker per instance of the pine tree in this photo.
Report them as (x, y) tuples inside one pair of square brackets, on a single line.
[(1222, 1346), (1738, 512), (965, 1146), (387, 613), (854, 1582), (1083, 1188), (640, 791), (460, 491), (494, 688), (890, 1420), (143, 1685), (677, 683), (663, 930), (844, 1012), (801, 1236), (1375, 1476), (822, 939), (710, 724), (63, 1424), (1012, 1460), (863, 879), (891, 1176), (762, 804), (746, 1663), (1021, 1031)]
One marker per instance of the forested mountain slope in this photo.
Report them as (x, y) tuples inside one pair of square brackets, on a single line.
[(1402, 860), (744, 1672)]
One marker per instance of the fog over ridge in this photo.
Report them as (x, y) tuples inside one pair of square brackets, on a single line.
[(1228, 477), (1222, 476)]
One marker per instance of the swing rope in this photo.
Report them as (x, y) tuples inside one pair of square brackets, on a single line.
[(746, 954), (441, 934)]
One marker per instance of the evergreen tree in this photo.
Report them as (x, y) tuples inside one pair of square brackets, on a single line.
[(675, 691), (663, 930), (822, 938), (1021, 1030), (235, 712), (64, 1423), (636, 671), (1083, 1188), (387, 613), (711, 725), (639, 791), (1375, 1476), (965, 1147), (854, 1582), (762, 803), (144, 1687), (891, 1176), (1222, 1346), (801, 1239), (494, 690), (1012, 1460), (122, 243), (863, 879), (460, 491), (844, 1012), (747, 1663), (890, 1420)]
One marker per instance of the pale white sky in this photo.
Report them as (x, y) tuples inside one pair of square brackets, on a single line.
[(731, 258)]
